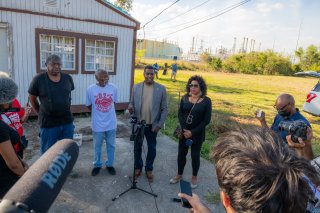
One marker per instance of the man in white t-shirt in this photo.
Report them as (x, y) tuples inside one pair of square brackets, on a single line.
[(100, 101)]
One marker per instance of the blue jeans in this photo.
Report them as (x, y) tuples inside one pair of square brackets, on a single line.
[(49, 136), (110, 137), (151, 138)]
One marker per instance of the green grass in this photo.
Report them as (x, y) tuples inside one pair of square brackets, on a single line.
[(235, 97)]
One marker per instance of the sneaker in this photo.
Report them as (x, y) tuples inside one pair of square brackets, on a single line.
[(175, 179), (137, 173), (111, 170), (95, 171), (193, 186), (194, 183), (150, 176)]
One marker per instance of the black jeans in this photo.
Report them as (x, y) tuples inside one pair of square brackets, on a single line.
[(195, 156)]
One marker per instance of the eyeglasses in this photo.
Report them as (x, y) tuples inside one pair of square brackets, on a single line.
[(193, 85), (282, 108)]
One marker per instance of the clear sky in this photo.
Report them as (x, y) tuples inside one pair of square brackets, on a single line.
[(275, 24)]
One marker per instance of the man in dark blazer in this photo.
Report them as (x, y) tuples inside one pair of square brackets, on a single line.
[(149, 103)]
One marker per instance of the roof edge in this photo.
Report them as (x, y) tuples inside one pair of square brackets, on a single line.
[(119, 11)]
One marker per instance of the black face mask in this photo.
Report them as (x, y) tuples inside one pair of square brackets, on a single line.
[(284, 113)]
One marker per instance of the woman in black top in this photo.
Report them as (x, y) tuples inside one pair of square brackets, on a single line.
[(194, 114), (11, 167)]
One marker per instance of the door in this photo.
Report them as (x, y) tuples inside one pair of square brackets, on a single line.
[(4, 48)]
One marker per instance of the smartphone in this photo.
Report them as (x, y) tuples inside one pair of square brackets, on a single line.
[(28, 102), (185, 188)]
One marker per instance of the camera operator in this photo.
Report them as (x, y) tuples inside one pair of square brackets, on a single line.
[(285, 106), (257, 172)]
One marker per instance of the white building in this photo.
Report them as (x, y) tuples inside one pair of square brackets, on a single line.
[(87, 34)]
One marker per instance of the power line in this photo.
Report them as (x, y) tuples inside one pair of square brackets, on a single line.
[(160, 13), (221, 13), (181, 13), (194, 20)]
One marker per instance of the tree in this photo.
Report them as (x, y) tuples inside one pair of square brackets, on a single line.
[(309, 59), (126, 5)]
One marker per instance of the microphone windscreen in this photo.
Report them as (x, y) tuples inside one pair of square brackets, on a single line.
[(42, 182)]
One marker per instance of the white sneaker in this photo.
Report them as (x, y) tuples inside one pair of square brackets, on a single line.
[(193, 186), (174, 180)]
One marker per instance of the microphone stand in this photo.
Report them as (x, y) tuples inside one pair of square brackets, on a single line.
[(137, 137)]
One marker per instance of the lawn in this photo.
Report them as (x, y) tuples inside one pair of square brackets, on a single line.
[(235, 97)]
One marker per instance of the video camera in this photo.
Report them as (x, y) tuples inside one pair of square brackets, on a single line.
[(297, 129), (134, 121)]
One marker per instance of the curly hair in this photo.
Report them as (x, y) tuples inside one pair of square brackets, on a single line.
[(202, 84), (259, 173)]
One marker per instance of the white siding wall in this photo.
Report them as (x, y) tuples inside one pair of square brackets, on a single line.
[(24, 54), (82, 9)]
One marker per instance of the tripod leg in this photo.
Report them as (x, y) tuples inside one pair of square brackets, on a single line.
[(150, 193), (116, 197)]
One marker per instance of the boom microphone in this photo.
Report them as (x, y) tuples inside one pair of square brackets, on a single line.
[(40, 185)]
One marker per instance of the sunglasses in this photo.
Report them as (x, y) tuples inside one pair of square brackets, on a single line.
[(282, 108), (193, 85)]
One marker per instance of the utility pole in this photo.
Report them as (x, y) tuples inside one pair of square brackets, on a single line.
[(294, 58)]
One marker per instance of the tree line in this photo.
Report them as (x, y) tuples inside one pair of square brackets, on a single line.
[(267, 62)]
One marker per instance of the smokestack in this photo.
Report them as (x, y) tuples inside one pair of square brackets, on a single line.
[(243, 44), (234, 45), (192, 47), (254, 41), (246, 44)]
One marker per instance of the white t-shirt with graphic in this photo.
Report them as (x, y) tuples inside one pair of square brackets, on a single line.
[(102, 99)]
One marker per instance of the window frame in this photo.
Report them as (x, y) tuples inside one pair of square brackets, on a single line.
[(98, 38), (40, 32)]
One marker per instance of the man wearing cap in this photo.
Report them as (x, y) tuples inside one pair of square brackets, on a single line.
[(53, 88)]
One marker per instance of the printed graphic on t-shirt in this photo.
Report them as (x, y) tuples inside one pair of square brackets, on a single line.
[(103, 102), (13, 120)]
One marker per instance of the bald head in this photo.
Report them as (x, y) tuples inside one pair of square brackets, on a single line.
[(286, 98), (285, 105)]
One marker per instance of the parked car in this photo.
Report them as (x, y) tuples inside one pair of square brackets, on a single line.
[(312, 104)]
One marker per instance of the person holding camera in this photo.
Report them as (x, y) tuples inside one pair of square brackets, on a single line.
[(149, 103), (100, 100), (194, 115), (287, 111), (257, 172), (11, 166)]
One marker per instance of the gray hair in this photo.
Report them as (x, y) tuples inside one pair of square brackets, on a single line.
[(99, 71), (8, 88), (52, 58)]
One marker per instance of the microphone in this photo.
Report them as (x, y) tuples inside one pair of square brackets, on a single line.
[(36, 190)]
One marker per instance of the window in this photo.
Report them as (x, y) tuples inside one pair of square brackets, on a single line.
[(96, 51), (99, 54), (63, 46)]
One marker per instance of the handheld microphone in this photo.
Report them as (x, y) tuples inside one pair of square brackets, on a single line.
[(40, 185)]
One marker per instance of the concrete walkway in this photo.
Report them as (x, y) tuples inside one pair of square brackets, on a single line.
[(84, 193)]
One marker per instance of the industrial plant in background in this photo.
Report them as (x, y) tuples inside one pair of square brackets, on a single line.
[(219, 51), (159, 49)]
